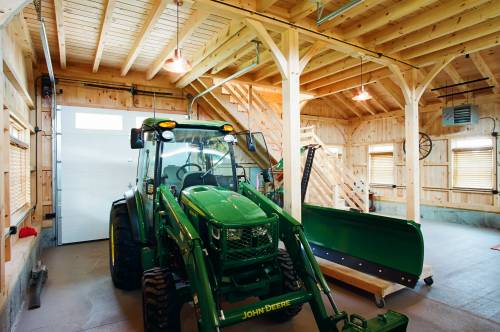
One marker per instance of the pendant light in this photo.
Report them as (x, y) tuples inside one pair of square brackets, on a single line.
[(177, 64), (362, 95)]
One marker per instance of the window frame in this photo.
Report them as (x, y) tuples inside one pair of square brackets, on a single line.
[(371, 153), (453, 168)]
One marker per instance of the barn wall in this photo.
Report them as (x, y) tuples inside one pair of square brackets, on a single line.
[(435, 170)]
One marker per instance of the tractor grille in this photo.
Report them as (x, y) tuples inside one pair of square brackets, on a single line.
[(242, 245), (250, 242)]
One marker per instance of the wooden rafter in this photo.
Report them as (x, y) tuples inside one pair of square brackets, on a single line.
[(485, 71), (476, 31), (441, 12), (61, 36), (353, 12), (463, 48), (352, 72), (455, 23), (233, 58), (394, 91), (376, 99), (105, 26), (263, 5), (236, 42), (153, 17), (352, 82), (455, 76), (383, 17), (303, 9), (194, 21), (346, 103)]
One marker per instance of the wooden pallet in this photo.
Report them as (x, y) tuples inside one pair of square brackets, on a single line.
[(380, 288)]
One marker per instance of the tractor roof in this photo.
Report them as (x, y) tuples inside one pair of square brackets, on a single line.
[(154, 122)]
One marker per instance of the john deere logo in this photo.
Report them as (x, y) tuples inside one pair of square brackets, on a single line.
[(266, 308)]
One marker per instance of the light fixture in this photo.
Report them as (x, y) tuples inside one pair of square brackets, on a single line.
[(362, 95), (177, 64)]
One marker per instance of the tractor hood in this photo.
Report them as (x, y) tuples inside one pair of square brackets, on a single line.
[(222, 205)]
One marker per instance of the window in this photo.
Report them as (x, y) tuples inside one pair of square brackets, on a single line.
[(19, 167), (473, 164), (381, 164), (336, 150), (98, 121)]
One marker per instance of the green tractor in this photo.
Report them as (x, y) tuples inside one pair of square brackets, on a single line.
[(195, 231)]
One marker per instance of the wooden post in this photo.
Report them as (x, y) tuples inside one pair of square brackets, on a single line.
[(291, 125), (412, 93)]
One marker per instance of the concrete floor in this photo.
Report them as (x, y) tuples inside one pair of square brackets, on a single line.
[(79, 295)]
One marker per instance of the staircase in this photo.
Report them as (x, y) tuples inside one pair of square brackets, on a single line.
[(332, 184)]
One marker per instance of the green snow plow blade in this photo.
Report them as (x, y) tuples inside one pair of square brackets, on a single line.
[(389, 248)]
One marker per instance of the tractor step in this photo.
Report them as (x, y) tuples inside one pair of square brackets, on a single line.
[(259, 308), (391, 321)]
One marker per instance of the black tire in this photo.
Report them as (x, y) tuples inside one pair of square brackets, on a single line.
[(429, 281), (291, 283), (160, 306), (124, 253)]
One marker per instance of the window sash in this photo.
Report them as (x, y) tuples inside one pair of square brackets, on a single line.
[(381, 168), (19, 177), (473, 168)]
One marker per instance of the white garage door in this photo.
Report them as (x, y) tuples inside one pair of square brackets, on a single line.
[(96, 166)]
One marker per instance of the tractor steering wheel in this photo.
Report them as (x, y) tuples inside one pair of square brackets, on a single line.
[(177, 174)]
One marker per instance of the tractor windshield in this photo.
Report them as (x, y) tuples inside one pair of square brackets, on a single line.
[(197, 156)]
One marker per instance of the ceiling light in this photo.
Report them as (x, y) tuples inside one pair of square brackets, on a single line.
[(177, 64), (362, 95)]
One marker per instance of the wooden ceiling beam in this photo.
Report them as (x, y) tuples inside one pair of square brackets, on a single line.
[(363, 7), (236, 42), (441, 12), (245, 50), (105, 27), (193, 22), (234, 27), (346, 103), (394, 91), (476, 31), (463, 48), (26, 41), (485, 71), (455, 23), (383, 17), (352, 83), (303, 9), (454, 76), (263, 5), (61, 36), (377, 99), (154, 15), (308, 34), (340, 76)]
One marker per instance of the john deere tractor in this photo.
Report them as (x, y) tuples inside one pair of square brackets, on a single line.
[(195, 231)]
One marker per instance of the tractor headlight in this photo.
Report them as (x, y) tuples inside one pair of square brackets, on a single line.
[(234, 234), (259, 231)]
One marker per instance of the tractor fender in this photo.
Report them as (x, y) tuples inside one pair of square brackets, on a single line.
[(133, 214)]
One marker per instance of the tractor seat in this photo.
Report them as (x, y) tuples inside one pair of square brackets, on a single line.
[(194, 179)]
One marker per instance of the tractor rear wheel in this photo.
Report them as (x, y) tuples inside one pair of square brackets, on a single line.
[(291, 283), (124, 253), (160, 306)]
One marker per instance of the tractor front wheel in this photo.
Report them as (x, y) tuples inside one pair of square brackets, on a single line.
[(160, 306), (124, 253), (291, 283)]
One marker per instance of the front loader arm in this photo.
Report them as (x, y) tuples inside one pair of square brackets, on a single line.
[(292, 234), (175, 222)]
